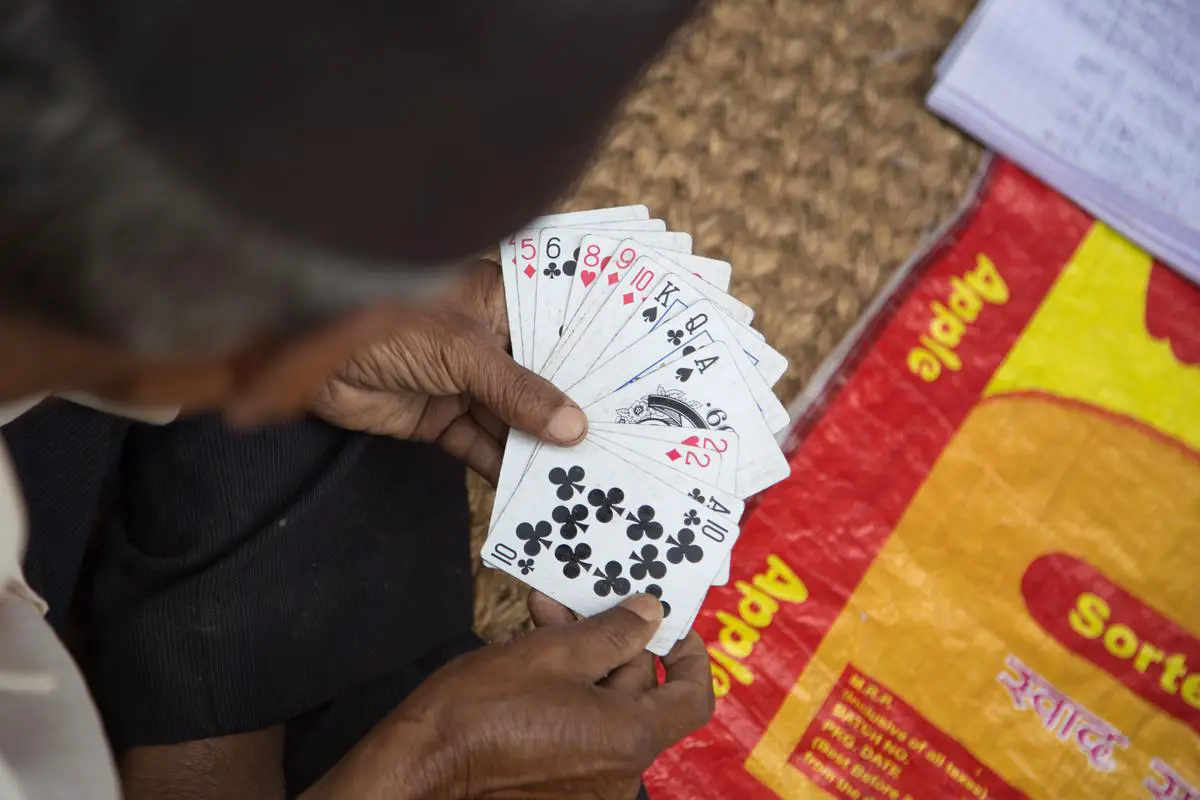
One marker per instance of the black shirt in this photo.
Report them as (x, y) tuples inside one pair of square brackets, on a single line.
[(223, 582)]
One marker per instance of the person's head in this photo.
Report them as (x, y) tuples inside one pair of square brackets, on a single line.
[(205, 198)]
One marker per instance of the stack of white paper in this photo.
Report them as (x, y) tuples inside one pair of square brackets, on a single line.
[(1099, 98)]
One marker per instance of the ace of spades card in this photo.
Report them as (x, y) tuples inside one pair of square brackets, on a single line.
[(589, 529)]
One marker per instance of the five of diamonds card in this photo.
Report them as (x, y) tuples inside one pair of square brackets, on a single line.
[(643, 335)]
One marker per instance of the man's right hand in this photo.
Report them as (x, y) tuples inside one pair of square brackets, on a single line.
[(568, 710)]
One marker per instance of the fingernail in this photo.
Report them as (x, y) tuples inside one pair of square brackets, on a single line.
[(645, 606), (568, 425)]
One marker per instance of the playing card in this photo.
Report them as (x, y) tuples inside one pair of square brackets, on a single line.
[(598, 251), (518, 450), (582, 347), (519, 255), (767, 361), (722, 443), (704, 391), (671, 294), (710, 270), (665, 461), (509, 269), (521, 447), (617, 272), (715, 502), (668, 456), (589, 528), (632, 448), (558, 263), (698, 326)]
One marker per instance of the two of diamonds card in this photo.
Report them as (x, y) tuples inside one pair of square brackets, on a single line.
[(617, 312)]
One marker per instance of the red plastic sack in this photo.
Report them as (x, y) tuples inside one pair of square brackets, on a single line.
[(982, 579)]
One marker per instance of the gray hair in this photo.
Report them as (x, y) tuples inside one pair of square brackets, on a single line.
[(99, 237)]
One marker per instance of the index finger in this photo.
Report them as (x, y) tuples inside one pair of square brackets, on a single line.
[(546, 611), (468, 442), (685, 701), (481, 297)]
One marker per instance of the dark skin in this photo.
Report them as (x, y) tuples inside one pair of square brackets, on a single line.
[(585, 720), (571, 710), (458, 388)]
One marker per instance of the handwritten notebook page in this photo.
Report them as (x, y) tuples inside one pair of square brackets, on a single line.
[(1100, 98)]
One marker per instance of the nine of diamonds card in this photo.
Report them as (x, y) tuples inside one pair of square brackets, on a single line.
[(617, 312)]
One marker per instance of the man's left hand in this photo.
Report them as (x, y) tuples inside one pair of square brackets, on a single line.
[(447, 378)]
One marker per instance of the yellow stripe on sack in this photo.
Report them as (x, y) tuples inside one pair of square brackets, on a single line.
[(1088, 342)]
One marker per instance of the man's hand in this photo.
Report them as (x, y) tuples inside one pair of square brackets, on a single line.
[(447, 378), (571, 709)]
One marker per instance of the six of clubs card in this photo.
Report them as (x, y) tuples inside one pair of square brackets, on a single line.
[(617, 312)]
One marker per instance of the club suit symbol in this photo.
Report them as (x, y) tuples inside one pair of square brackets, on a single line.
[(570, 520), (574, 559), (606, 503), (684, 548), (644, 525), (569, 481), (611, 581), (645, 563), (536, 537), (568, 266)]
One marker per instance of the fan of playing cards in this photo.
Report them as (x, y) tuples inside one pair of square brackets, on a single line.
[(616, 311)]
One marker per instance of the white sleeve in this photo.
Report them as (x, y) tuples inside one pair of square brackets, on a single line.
[(51, 742), (52, 745)]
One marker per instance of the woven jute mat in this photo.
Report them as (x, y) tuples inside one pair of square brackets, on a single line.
[(790, 139)]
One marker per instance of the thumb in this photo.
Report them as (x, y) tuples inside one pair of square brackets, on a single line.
[(521, 399), (598, 645)]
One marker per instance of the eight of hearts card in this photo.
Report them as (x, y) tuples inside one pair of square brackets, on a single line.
[(644, 335)]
